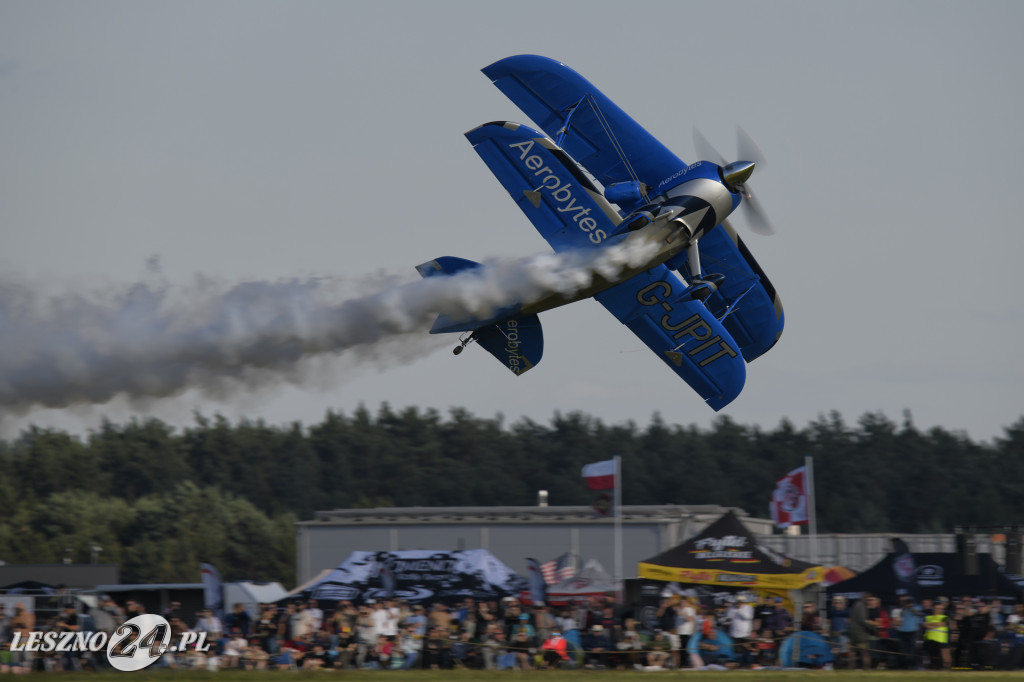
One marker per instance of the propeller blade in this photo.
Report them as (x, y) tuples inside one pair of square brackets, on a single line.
[(705, 150), (748, 149), (757, 220)]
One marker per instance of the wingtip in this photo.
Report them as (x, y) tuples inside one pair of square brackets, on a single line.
[(518, 62)]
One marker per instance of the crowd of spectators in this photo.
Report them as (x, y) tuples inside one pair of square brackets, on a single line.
[(939, 634), (741, 632)]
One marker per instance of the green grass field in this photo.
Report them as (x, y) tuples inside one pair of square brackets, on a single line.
[(524, 676)]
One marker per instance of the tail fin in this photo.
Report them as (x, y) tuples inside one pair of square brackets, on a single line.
[(515, 340)]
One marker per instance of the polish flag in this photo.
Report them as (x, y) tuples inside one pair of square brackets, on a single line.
[(600, 475)]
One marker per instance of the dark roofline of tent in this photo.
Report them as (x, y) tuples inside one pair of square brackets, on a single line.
[(880, 580)]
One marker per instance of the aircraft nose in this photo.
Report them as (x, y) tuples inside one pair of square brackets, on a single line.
[(737, 173)]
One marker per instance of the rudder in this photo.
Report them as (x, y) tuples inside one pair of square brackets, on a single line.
[(517, 342)]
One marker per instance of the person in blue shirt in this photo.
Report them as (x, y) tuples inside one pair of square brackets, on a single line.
[(418, 620), (908, 626), (838, 625)]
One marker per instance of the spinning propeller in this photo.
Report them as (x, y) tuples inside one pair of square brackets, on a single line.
[(736, 174)]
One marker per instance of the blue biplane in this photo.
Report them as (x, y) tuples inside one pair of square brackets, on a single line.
[(595, 178)]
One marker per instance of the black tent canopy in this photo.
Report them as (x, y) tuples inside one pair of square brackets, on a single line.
[(937, 574), (727, 554)]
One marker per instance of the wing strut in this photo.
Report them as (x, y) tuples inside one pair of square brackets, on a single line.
[(565, 126), (606, 127), (617, 146), (732, 306)]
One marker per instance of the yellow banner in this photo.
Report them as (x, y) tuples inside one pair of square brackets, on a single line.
[(783, 581)]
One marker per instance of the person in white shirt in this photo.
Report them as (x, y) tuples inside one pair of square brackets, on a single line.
[(385, 618), (740, 615), (300, 623), (211, 625), (234, 647), (741, 618), (366, 632), (686, 623), (314, 617)]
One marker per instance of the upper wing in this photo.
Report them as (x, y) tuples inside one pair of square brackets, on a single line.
[(752, 308), (681, 331), (560, 201), (600, 135)]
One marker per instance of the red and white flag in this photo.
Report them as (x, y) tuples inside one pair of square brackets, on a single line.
[(600, 475), (789, 501)]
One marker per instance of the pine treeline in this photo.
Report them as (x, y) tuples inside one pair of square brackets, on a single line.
[(159, 500)]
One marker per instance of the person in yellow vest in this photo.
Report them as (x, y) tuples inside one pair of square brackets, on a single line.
[(936, 637)]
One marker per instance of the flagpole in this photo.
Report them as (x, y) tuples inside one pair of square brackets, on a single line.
[(812, 514), (618, 528)]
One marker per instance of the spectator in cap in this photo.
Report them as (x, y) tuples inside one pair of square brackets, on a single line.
[(596, 646), (522, 624), (740, 615)]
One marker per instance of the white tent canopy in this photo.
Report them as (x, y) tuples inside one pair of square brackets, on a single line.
[(415, 576), (591, 580), (251, 595)]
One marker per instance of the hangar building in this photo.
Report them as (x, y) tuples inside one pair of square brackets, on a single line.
[(512, 534)]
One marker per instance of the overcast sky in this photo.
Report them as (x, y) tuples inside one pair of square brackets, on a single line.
[(270, 141)]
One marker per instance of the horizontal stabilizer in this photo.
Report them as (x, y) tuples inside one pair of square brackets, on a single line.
[(446, 265), (451, 265)]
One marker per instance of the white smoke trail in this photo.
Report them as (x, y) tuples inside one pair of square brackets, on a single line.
[(144, 341)]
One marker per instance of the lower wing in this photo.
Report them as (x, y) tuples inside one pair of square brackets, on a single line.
[(560, 201), (746, 300), (656, 307)]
